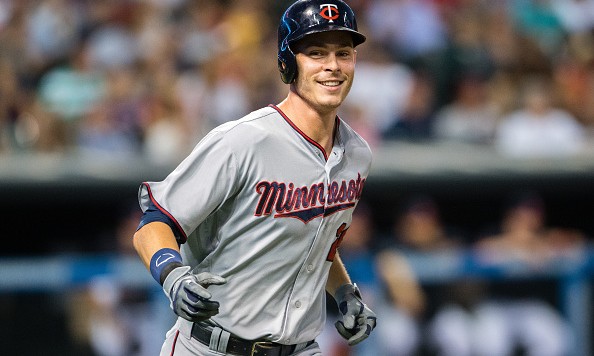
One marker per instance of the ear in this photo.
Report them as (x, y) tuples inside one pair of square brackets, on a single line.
[(355, 57)]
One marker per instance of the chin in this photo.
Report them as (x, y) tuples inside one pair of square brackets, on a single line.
[(331, 102), (330, 105)]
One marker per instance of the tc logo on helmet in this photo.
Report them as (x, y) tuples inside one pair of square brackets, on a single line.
[(329, 12)]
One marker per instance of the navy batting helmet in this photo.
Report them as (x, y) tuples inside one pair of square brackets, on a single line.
[(305, 17)]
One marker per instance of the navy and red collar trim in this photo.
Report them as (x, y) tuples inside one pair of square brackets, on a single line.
[(307, 138)]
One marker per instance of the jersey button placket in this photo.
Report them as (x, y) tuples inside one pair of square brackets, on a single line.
[(321, 156)]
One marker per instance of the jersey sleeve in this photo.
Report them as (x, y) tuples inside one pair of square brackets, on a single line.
[(201, 183), (153, 214)]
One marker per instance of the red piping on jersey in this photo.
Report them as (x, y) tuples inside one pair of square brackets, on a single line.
[(174, 342), (309, 139), (148, 187)]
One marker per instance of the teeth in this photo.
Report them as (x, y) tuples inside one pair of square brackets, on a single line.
[(331, 83)]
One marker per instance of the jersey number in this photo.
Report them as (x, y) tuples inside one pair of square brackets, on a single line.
[(339, 236)]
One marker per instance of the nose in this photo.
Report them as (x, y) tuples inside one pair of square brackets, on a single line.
[(332, 63)]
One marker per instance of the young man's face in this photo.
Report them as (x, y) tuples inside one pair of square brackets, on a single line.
[(325, 69)]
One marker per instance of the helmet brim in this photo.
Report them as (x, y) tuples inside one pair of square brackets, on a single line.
[(358, 37)]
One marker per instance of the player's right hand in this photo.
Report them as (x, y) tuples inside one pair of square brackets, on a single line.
[(187, 293)]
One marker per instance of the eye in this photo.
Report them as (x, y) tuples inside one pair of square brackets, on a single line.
[(345, 53), (315, 53)]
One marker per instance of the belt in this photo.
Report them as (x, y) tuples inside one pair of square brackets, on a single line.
[(238, 346)]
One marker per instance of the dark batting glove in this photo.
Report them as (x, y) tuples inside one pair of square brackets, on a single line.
[(187, 293)]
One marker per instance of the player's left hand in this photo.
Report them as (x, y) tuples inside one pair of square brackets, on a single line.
[(357, 319)]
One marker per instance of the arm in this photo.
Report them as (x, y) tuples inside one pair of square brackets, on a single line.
[(151, 238), (337, 276), (403, 287), (158, 249)]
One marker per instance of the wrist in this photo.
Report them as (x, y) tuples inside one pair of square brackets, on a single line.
[(345, 289), (163, 262)]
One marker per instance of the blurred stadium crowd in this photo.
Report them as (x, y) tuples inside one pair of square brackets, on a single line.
[(428, 313), (151, 77)]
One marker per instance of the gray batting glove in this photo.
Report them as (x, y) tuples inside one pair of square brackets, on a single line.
[(357, 319), (187, 293)]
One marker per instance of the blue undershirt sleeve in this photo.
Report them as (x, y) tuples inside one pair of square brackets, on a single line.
[(153, 214)]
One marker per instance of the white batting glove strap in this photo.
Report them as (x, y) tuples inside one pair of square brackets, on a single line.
[(358, 321)]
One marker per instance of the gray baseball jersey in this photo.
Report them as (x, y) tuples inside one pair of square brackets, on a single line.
[(263, 205)]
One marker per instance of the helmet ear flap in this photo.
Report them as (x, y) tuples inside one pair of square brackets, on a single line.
[(287, 66)]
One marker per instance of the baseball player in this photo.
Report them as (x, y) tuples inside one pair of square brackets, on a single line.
[(261, 205)]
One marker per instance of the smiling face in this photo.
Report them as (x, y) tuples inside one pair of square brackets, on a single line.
[(325, 69)]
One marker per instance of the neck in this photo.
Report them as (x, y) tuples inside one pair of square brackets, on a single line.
[(317, 125)]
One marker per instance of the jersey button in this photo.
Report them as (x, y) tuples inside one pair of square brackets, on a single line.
[(297, 304), (310, 268)]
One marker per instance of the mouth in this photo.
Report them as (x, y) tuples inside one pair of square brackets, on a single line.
[(331, 83)]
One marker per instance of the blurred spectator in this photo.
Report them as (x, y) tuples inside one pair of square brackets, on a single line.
[(9, 104), (155, 32), (539, 128), (384, 83), (518, 318), (470, 117), (211, 94), (216, 59), (166, 137), (420, 235), (71, 91), (414, 122), (572, 75), (112, 46), (537, 20), (113, 125), (53, 30), (409, 28), (576, 16), (401, 332), (467, 54), (500, 36), (525, 237), (573, 69), (503, 95), (418, 227), (100, 136), (227, 93), (13, 38), (202, 35), (5, 13), (191, 91), (115, 319)]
